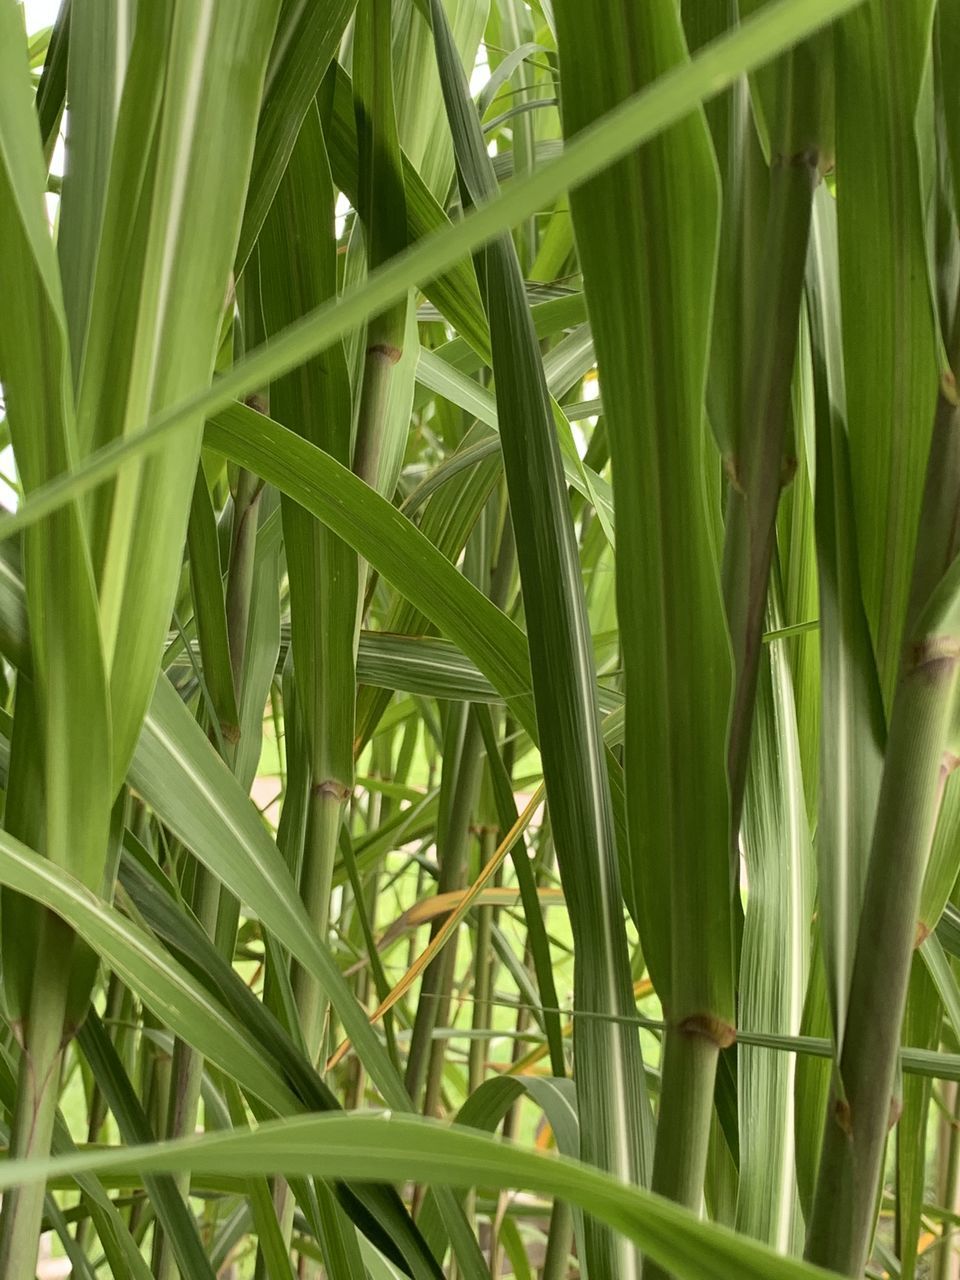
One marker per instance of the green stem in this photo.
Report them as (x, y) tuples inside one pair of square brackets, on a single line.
[(911, 790), (420, 888), (97, 1110), (381, 205), (946, 1267), (559, 1239), (319, 857), (510, 1128), (687, 1072), (383, 352), (447, 969), (859, 1113), (186, 1075), (452, 841), (538, 943), (238, 597), (484, 962), (38, 1088), (155, 1073), (112, 1016), (243, 549)]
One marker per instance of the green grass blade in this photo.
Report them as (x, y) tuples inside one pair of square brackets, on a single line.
[(852, 730), (941, 873), (270, 1241), (305, 41), (793, 105), (191, 946), (536, 932), (422, 1150), (774, 961), (381, 206), (217, 821), (813, 1077), (796, 536), (420, 118), (174, 242), (179, 1225), (890, 357), (142, 964), (50, 974), (100, 35), (119, 1246), (652, 342), (453, 291), (206, 586), (916, 761), (908, 803), (436, 374), (556, 1098), (34, 366), (608, 1067), (921, 1026), (448, 516), (261, 647), (52, 88), (388, 541)]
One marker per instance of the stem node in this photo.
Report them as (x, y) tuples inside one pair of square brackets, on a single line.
[(718, 1032)]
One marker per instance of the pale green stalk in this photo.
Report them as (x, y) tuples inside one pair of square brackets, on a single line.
[(947, 1263), (861, 1103), (463, 757), (382, 207), (38, 1089), (556, 1264), (186, 1074), (484, 971), (246, 510), (689, 1063), (238, 595), (324, 810)]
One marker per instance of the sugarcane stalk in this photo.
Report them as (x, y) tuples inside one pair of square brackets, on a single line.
[(484, 968), (38, 1087), (239, 588), (915, 766), (382, 208), (186, 1075), (559, 1240), (324, 810), (860, 1112), (947, 1264), (452, 843), (690, 1063)]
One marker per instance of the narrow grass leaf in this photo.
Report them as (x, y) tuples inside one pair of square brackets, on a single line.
[(651, 325), (889, 351), (305, 41), (608, 1067), (424, 1151)]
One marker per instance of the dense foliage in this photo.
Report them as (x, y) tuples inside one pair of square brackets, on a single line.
[(479, 638)]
